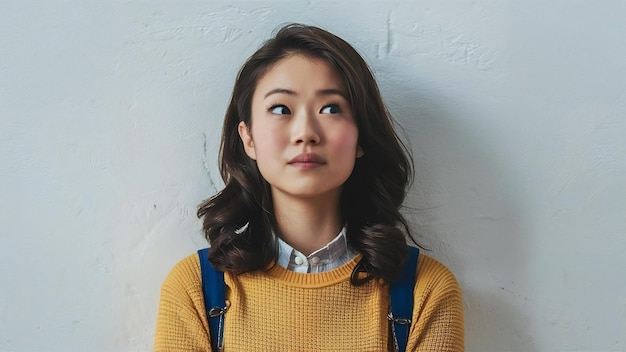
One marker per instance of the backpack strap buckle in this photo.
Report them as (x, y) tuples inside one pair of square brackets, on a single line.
[(400, 321), (217, 311)]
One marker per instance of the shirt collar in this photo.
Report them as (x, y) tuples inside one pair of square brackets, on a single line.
[(331, 256)]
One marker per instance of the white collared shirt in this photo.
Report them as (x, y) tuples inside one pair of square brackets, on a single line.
[(333, 255)]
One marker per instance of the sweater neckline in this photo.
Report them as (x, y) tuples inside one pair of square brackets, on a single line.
[(310, 280)]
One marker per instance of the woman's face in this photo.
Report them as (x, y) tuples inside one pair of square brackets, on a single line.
[(302, 134)]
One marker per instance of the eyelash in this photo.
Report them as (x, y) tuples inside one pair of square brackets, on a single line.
[(332, 105), (274, 106), (329, 105)]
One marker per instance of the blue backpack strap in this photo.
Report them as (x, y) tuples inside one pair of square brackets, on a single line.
[(214, 291), (401, 292)]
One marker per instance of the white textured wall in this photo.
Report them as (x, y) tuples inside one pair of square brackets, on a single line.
[(110, 120)]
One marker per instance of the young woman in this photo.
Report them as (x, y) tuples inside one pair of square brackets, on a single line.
[(307, 228)]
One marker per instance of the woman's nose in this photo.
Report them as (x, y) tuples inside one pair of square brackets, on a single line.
[(305, 129)]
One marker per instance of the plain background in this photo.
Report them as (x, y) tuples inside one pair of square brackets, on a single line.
[(515, 111)]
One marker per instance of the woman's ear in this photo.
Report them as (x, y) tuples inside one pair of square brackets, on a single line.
[(246, 139), (359, 151)]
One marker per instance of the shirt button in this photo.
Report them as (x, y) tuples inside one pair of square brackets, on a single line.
[(298, 260), (315, 260)]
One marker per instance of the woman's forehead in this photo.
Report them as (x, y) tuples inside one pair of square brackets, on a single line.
[(300, 74)]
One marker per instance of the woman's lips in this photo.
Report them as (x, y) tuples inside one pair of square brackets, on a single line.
[(305, 165), (307, 161)]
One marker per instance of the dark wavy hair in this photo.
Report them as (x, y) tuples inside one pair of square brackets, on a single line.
[(239, 221)]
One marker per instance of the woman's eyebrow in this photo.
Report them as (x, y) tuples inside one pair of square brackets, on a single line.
[(280, 91), (320, 92), (332, 91)]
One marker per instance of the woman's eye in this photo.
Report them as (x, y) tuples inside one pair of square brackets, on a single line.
[(330, 109), (280, 110)]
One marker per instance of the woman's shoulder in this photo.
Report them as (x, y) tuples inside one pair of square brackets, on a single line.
[(432, 275), (438, 310), (182, 322), (184, 276)]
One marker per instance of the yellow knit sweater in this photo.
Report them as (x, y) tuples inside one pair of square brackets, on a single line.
[(280, 310)]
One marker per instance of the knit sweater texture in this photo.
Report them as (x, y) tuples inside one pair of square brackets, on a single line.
[(281, 310)]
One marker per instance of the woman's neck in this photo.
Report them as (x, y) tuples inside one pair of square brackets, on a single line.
[(307, 224)]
